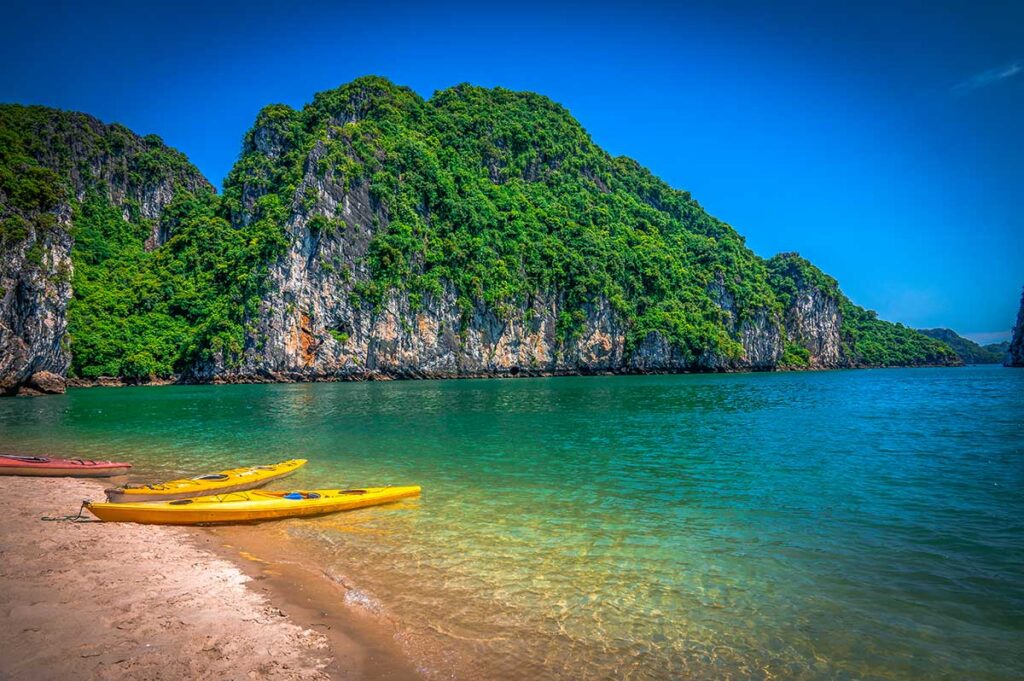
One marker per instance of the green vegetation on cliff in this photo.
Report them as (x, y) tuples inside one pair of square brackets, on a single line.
[(139, 313), (29, 192), (47, 156), (874, 342)]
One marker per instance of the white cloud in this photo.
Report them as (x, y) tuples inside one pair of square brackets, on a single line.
[(990, 77)]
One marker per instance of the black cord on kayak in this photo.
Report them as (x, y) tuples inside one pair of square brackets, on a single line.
[(72, 518)]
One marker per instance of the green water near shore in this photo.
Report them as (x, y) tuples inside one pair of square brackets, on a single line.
[(859, 524)]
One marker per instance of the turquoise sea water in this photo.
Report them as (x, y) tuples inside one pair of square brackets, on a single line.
[(832, 525)]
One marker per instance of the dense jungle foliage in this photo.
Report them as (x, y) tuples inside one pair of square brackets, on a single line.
[(29, 192), (157, 313)]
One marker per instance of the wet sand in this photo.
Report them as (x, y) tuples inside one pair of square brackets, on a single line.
[(366, 645), (94, 600)]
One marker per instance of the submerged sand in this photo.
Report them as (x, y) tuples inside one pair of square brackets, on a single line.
[(117, 601)]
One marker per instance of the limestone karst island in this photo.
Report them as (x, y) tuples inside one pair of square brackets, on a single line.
[(769, 429)]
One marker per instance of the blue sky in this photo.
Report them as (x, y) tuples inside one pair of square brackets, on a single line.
[(883, 141)]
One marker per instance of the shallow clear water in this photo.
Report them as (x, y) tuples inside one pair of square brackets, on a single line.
[(858, 524)]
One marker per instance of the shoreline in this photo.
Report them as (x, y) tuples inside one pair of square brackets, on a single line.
[(384, 376), (120, 601)]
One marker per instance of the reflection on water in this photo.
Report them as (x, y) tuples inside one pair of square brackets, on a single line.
[(818, 525)]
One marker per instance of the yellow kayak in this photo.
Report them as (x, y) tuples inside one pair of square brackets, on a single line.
[(240, 507), (234, 480)]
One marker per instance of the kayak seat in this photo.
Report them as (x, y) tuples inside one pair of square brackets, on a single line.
[(296, 496)]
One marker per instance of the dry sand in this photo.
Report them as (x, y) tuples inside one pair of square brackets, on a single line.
[(118, 601)]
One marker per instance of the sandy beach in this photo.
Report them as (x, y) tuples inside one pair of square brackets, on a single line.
[(92, 600)]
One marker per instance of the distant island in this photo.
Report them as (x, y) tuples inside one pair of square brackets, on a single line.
[(969, 351), (375, 234)]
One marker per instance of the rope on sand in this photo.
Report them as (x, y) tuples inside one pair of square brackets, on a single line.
[(73, 518)]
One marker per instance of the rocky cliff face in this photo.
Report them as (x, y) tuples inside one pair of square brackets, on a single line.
[(35, 285), (50, 160), (314, 325), (1015, 355), (813, 318)]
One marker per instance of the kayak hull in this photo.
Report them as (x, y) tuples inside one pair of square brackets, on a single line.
[(237, 480), (43, 466), (248, 507)]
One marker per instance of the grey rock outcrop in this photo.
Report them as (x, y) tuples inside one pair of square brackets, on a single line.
[(813, 317), (813, 320), (1015, 355), (35, 287)]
